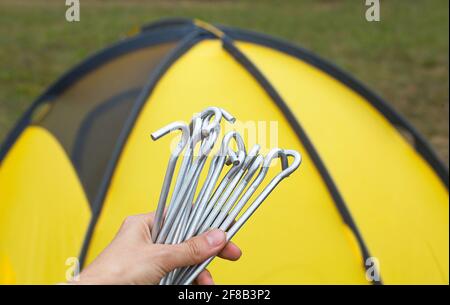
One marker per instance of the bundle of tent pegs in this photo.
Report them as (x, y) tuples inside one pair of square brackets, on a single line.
[(217, 204)]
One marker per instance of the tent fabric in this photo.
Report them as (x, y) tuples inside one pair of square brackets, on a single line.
[(43, 212), (363, 190), (105, 94)]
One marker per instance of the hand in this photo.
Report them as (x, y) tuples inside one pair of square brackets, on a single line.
[(132, 257)]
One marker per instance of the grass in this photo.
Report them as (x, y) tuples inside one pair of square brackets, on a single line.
[(404, 57)]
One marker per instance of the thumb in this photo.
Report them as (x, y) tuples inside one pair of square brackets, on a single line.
[(195, 250)]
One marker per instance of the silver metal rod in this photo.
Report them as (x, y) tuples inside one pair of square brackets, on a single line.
[(217, 206), (239, 189), (225, 197), (218, 166), (252, 208), (169, 172), (218, 193)]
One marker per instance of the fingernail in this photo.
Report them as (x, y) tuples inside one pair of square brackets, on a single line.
[(215, 237)]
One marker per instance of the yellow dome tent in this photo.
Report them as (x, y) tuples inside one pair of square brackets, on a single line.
[(80, 160)]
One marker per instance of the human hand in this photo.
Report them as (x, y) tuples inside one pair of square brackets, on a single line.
[(132, 257)]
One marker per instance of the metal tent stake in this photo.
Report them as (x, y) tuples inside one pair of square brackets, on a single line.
[(217, 205)]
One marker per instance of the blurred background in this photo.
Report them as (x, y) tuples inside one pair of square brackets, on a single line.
[(403, 58)]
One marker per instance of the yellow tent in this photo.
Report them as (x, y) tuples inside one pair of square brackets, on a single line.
[(370, 193)]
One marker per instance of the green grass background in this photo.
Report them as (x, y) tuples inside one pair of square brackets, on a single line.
[(404, 58)]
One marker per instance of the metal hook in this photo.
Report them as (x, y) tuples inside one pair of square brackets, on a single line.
[(239, 189), (223, 189), (257, 162), (211, 139), (173, 127), (198, 125), (218, 162), (179, 205), (170, 169), (217, 205), (206, 211), (206, 146), (287, 170), (208, 113), (195, 128), (228, 116), (226, 195), (234, 157)]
